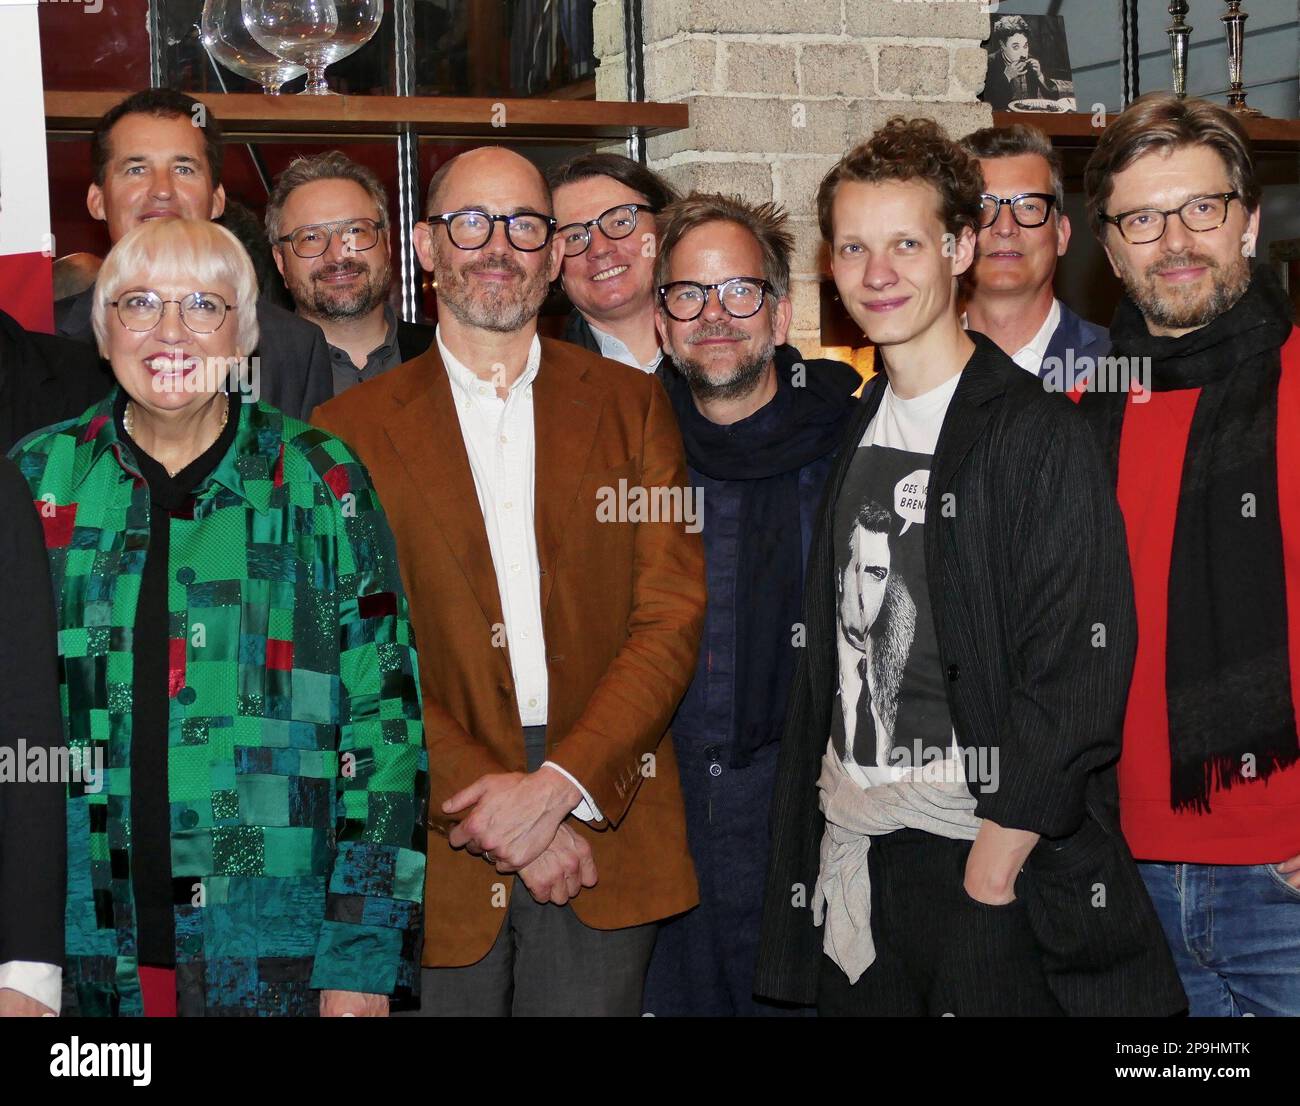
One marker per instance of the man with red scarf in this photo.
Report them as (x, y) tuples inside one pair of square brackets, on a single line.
[(1207, 459)]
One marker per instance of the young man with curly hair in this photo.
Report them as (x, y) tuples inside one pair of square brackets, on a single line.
[(944, 830)]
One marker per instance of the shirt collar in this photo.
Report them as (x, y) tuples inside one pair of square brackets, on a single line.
[(381, 350), (464, 380), (249, 469), (617, 350), (1037, 345)]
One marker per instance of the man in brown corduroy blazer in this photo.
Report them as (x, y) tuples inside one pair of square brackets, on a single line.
[(550, 550)]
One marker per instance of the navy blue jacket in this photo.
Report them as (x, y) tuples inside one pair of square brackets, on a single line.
[(1084, 338)]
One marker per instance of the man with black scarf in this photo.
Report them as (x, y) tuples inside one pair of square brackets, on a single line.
[(761, 426), (1207, 464)]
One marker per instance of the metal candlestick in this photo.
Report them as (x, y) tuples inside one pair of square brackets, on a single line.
[(1232, 21), (1179, 32)]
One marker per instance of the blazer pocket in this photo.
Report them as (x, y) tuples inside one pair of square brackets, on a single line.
[(1070, 852), (1088, 907), (615, 493), (629, 470)]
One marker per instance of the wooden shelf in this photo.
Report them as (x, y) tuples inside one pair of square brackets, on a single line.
[(242, 115), (1074, 130)]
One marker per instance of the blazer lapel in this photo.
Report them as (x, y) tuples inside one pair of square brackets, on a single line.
[(968, 415), (1069, 334), (425, 433), (566, 415)]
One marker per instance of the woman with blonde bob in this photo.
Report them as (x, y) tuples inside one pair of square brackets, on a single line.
[(235, 649)]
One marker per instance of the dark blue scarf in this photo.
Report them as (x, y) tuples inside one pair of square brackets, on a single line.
[(803, 423)]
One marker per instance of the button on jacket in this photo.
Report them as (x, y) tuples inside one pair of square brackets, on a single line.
[(295, 765)]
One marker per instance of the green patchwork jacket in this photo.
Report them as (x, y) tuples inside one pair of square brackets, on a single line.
[(295, 761)]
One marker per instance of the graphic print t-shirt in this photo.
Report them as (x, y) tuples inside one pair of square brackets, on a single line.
[(891, 721)]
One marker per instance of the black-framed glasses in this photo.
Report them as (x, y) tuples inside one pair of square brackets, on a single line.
[(1029, 209), (314, 239), (617, 222), (141, 309), (471, 229), (1199, 214), (740, 297)]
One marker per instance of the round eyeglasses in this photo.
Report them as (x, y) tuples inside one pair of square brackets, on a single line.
[(471, 229), (314, 239), (1029, 209), (740, 297), (1149, 225), (142, 309), (617, 222)]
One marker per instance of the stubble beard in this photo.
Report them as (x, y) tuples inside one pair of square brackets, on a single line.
[(339, 305), (501, 309), (1174, 311), (739, 383)]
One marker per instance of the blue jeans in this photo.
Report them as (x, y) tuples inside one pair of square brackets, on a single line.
[(1234, 930)]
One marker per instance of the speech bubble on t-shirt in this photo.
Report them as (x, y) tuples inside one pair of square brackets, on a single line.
[(909, 498)]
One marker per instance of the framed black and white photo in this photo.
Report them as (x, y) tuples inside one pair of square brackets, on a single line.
[(1029, 65)]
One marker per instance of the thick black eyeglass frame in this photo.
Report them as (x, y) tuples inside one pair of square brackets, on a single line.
[(333, 229), (764, 290), (447, 216), (1011, 202), (636, 210), (180, 306), (1115, 220)]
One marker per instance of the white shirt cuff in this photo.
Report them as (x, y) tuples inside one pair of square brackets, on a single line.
[(585, 811), (43, 982)]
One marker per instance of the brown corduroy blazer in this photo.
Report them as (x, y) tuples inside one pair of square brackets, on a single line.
[(622, 610)]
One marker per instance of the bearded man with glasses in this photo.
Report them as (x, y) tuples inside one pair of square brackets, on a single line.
[(1206, 463), (761, 425), (1023, 234), (558, 621), (327, 220)]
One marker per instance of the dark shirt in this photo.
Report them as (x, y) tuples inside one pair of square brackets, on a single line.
[(43, 380), (150, 856), (387, 355), (707, 711), (33, 815)]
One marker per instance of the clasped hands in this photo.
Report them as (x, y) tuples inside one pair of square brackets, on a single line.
[(515, 822)]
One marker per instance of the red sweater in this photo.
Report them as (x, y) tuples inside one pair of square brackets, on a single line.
[(1254, 822)]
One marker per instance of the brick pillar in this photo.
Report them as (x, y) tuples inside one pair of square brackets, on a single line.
[(779, 90)]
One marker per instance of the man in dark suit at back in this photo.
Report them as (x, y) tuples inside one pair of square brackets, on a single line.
[(1023, 231), (43, 380), (158, 154)]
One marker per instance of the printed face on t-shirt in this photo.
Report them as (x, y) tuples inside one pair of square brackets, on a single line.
[(863, 584)]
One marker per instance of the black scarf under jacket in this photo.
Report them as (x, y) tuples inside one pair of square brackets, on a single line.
[(803, 423), (1227, 663)]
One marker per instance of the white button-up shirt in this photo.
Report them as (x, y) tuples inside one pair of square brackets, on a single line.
[(43, 982), (1030, 356), (617, 350), (501, 446)]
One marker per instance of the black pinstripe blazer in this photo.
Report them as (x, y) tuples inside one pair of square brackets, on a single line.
[(1029, 583)]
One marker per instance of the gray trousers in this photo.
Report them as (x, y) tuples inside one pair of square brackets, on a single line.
[(544, 962)]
